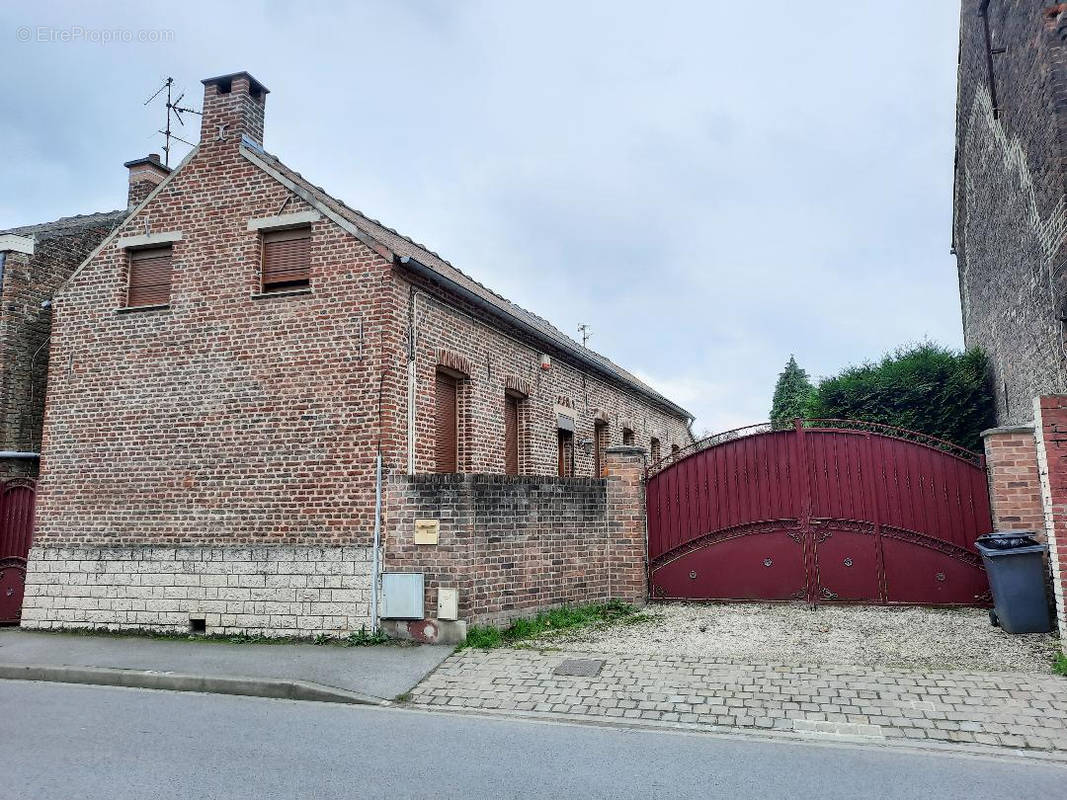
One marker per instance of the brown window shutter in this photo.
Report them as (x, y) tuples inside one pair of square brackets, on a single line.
[(286, 259), (150, 272), (511, 435), (445, 424)]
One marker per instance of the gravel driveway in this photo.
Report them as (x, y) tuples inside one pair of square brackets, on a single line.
[(909, 637)]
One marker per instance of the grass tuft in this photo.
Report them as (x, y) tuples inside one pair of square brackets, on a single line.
[(1059, 664), (486, 637)]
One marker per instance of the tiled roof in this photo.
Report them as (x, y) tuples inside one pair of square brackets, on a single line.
[(405, 246), (65, 224)]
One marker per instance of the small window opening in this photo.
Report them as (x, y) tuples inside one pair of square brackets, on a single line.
[(627, 437), (197, 625), (655, 450)]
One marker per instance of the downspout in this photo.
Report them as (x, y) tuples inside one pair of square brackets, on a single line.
[(375, 557), (412, 337)]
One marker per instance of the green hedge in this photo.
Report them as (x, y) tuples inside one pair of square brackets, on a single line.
[(924, 387)]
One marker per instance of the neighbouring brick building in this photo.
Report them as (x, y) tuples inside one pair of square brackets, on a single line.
[(224, 370), (1009, 234), (1009, 228), (35, 260)]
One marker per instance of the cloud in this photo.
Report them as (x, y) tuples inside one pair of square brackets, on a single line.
[(708, 189)]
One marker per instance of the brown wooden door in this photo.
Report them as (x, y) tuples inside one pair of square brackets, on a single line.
[(565, 454), (511, 435), (446, 439)]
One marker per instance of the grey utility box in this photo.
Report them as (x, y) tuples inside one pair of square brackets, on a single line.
[(1015, 564), (402, 595)]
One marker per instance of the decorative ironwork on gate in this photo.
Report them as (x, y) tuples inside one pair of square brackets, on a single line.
[(847, 510)]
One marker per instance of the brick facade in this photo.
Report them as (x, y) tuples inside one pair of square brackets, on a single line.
[(230, 418), (1009, 218), (1014, 480), (515, 545)]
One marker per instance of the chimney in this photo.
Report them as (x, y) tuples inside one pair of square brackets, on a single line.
[(233, 107), (145, 175)]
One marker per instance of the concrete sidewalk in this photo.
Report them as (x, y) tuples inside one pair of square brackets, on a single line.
[(298, 671)]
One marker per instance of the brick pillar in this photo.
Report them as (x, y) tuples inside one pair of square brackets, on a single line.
[(1014, 481), (1050, 432), (624, 469)]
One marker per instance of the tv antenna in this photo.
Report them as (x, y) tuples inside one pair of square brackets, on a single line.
[(585, 333), (175, 109)]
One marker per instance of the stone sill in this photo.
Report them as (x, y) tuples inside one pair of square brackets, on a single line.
[(285, 293), (135, 309), (1025, 428)]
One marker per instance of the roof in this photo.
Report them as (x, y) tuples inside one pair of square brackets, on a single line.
[(64, 225), (406, 248)]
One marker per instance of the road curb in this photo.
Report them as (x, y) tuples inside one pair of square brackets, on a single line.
[(959, 749), (181, 682)]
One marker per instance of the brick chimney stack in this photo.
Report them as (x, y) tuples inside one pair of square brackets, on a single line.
[(233, 107), (145, 175)]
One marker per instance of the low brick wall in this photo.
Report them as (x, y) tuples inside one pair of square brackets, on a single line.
[(516, 545), (273, 591)]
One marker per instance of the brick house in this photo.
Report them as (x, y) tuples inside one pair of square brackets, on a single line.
[(225, 369)]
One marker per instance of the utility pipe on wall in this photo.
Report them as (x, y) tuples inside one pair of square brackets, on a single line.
[(375, 562), (412, 337)]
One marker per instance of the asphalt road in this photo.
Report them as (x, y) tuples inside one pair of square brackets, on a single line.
[(72, 742)]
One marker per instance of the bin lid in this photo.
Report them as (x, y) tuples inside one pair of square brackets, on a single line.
[(1002, 543)]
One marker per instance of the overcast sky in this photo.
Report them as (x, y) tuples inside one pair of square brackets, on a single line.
[(711, 186)]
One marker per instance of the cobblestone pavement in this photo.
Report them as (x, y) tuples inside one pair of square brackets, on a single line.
[(1017, 710)]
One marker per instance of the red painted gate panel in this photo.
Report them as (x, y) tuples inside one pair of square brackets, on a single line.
[(830, 510), (16, 535)]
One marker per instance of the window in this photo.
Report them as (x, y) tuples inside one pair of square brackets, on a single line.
[(286, 259), (149, 282), (446, 443), (627, 437), (600, 444), (654, 448), (565, 453), (674, 449), (511, 434)]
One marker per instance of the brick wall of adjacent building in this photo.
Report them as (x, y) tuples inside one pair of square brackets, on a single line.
[(1014, 480), (1009, 221), (25, 326), (512, 546)]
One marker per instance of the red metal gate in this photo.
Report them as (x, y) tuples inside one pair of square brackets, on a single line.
[(829, 510), (16, 534)]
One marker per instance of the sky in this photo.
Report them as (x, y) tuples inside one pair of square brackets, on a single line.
[(710, 186)]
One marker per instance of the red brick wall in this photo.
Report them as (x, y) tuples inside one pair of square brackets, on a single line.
[(516, 545), (1014, 481), (499, 361), (227, 417)]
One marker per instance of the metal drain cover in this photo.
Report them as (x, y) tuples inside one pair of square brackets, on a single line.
[(582, 667)]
